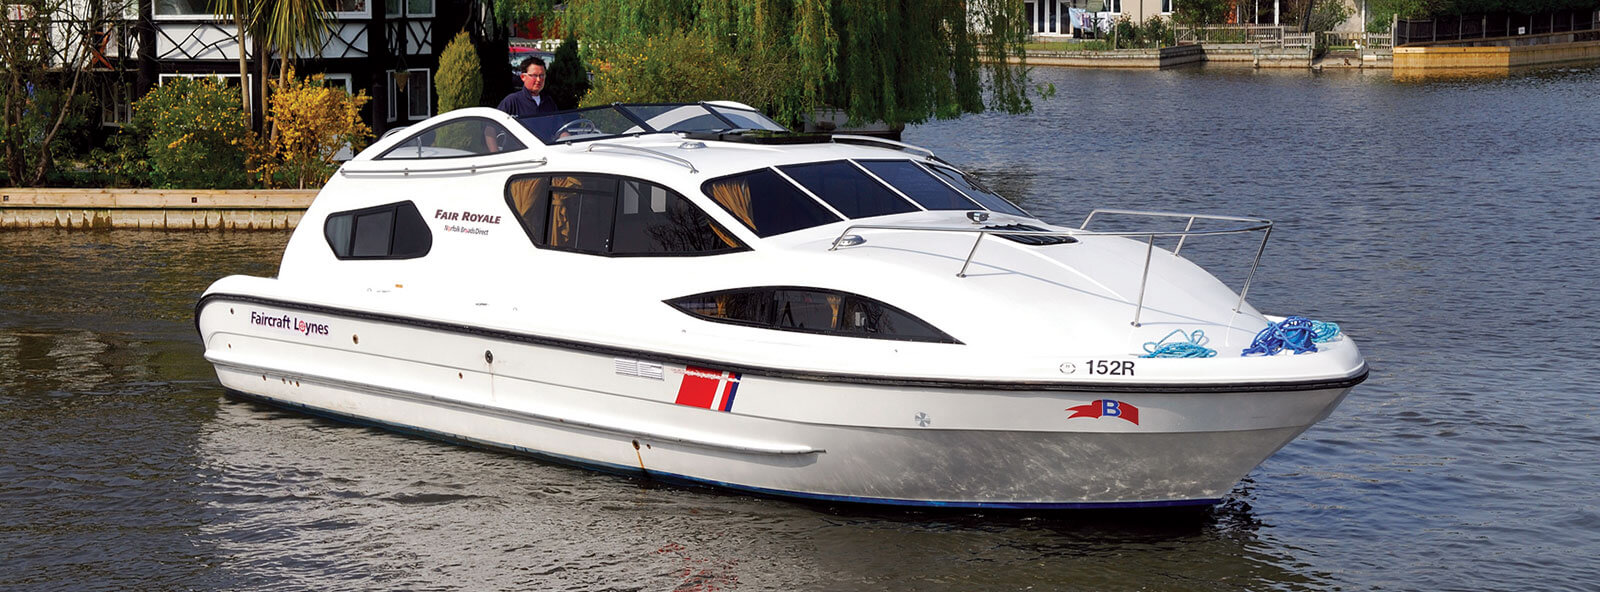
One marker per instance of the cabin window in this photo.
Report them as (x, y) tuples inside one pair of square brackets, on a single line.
[(613, 216), (919, 185), (472, 136), (847, 189), (392, 231), (767, 203), (810, 310), (971, 188)]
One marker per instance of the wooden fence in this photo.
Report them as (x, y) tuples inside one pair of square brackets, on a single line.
[(1484, 26)]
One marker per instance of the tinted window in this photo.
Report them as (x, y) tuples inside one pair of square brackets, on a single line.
[(462, 137), (920, 185), (810, 310), (654, 219), (610, 216), (977, 192), (848, 190), (373, 232), (393, 231), (767, 203)]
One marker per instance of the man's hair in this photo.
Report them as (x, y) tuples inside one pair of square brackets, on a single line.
[(522, 68)]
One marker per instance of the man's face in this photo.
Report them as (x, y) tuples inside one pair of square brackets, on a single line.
[(533, 78)]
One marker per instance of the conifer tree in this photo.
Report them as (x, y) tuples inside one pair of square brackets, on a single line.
[(459, 83), (569, 79)]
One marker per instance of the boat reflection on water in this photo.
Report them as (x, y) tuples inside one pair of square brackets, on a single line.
[(323, 500)]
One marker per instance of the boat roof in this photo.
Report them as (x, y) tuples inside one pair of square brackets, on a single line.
[(706, 139)]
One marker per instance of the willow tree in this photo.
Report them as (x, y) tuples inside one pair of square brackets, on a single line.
[(898, 61)]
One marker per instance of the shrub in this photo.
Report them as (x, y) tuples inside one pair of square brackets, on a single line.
[(569, 79), (193, 134), (1195, 13), (459, 83), (313, 122), (1158, 32)]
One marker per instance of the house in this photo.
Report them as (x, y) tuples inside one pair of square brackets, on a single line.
[(1050, 18), (390, 51)]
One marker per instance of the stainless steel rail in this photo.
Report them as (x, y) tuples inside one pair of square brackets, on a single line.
[(408, 171), (884, 142), (652, 152), (1249, 225)]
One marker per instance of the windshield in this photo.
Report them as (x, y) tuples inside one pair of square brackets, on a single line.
[(787, 198), (620, 120)]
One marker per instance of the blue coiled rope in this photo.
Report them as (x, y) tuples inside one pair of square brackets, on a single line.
[(1325, 331), (1298, 334), (1193, 345)]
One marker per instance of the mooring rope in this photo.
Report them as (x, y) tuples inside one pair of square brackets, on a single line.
[(1193, 345), (1297, 334)]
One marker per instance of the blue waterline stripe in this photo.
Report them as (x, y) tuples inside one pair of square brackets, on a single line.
[(674, 478)]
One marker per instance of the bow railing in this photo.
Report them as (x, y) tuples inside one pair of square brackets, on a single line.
[(1244, 225)]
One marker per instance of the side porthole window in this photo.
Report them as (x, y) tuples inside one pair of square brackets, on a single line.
[(391, 231), (810, 310)]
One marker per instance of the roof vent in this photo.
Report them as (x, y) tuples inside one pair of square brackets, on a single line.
[(1027, 239)]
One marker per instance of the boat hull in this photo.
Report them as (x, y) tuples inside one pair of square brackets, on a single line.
[(912, 443)]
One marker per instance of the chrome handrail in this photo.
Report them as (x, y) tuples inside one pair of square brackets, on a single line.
[(407, 171), (885, 142), (676, 159), (1252, 225)]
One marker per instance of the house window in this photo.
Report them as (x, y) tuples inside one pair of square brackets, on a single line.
[(341, 81), (419, 7), (1166, 6), (346, 7), (410, 90), (1113, 5), (117, 108), (183, 8)]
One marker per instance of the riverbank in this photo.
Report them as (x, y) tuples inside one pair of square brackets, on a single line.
[(1243, 54), (156, 209)]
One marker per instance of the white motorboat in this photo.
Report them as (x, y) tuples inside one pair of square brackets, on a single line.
[(692, 293)]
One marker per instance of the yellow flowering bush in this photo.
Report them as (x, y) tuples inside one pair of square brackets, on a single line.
[(311, 122), (192, 134)]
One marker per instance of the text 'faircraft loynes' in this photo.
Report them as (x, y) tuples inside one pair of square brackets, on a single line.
[(692, 293)]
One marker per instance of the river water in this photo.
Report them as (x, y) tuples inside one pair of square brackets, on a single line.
[(1450, 226)]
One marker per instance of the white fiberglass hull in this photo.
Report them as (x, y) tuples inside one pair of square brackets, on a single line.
[(851, 438)]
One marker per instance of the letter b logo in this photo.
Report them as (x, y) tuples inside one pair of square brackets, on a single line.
[(1110, 408)]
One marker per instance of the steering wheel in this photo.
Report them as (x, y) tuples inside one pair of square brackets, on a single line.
[(578, 126)]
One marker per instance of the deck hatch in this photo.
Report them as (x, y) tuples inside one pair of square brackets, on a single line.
[(1030, 240)]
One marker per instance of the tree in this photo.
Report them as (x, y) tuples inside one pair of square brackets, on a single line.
[(569, 79), (45, 48), (1197, 13), (459, 83), (899, 62), (239, 11)]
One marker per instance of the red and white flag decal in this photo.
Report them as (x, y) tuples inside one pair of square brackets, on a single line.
[(707, 388)]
